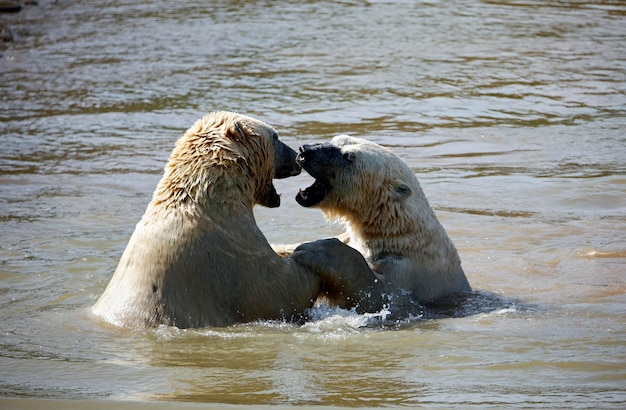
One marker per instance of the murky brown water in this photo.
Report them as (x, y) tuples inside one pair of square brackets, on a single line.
[(512, 114)]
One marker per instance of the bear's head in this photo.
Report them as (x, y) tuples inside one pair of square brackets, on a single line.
[(226, 158), (355, 179)]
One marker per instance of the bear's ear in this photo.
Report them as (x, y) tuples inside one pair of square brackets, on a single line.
[(238, 131), (401, 190)]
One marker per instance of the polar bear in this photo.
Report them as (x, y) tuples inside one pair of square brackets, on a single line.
[(197, 257), (386, 215)]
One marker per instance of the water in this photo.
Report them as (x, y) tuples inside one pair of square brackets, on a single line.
[(512, 114)]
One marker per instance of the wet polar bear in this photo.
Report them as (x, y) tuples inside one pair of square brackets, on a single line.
[(197, 257), (386, 215)]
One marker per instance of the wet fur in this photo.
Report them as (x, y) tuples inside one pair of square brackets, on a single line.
[(197, 257), (378, 199)]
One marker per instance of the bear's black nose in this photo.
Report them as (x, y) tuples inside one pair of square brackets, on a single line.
[(302, 157), (321, 153), (305, 152)]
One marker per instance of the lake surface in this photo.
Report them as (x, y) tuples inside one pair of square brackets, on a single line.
[(511, 113)]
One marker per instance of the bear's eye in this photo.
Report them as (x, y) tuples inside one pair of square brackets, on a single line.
[(349, 156), (275, 136)]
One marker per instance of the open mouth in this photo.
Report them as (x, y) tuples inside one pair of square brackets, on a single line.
[(271, 199), (315, 193), (312, 195)]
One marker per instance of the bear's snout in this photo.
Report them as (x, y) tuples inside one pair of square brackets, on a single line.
[(308, 152), (302, 157), (285, 164)]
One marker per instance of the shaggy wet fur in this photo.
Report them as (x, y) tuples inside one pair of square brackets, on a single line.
[(197, 257)]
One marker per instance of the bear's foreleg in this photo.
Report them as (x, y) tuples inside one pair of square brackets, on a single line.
[(347, 280)]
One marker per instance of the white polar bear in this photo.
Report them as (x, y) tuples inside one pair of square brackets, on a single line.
[(386, 215)]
